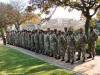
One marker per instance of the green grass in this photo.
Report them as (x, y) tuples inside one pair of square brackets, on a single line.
[(13, 62), (98, 46)]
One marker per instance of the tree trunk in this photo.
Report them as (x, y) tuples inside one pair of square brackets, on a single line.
[(87, 26), (17, 27), (3, 37)]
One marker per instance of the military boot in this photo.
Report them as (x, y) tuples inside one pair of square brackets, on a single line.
[(90, 56), (62, 59), (72, 62), (67, 61), (78, 59), (84, 59)]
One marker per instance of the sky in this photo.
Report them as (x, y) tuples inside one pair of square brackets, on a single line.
[(59, 13), (63, 13), (5, 1)]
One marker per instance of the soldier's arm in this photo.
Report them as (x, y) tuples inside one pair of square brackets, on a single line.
[(96, 36)]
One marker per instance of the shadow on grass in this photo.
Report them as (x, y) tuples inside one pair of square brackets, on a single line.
[(14, 61)]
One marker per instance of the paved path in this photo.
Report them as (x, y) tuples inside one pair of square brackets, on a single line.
[(90, 67)]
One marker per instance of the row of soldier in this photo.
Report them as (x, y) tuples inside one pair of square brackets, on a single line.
[(53, 43)]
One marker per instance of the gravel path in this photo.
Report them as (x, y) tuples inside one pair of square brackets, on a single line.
[(90, 67)]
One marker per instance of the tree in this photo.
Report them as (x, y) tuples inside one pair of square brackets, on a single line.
[(22, 13), (46, 8), (6, 18), (85, 6), (98, 20), (98, 16)]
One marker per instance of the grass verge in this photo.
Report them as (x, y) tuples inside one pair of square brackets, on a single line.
[(13, 62)]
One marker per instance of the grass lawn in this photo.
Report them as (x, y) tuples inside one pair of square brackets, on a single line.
[(98, 46), (13, 62)]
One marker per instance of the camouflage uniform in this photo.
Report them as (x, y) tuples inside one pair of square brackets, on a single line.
[(11, 38), (52, 44), (7, 37), (61, 45), (22, 38), (55, 43), (71, 47), (29, 40), (41, 41), (25, 44), (36, 40), (92, 38), (32, 42), (46, 43), (81, 45), (17, 38)]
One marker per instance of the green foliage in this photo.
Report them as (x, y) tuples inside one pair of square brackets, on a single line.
[(98, 50), (12, 61)]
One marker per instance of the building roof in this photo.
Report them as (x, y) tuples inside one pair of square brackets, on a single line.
[(30, 25)]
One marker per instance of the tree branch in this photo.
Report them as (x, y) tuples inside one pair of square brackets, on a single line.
[(91, 4), (95, 10)]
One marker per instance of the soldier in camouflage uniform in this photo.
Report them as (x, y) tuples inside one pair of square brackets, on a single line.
[(55, 43), (81, 44), (27, 33), (13, 35), (36, 40), (71, 46), (32, 42), (41, 41), (52, 43), (15, 38), (16, 41), (25, 39), (7, 37), (46, 43), (92, 38), (22, 38), (29, 40), (11, 39), (61, 45)]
